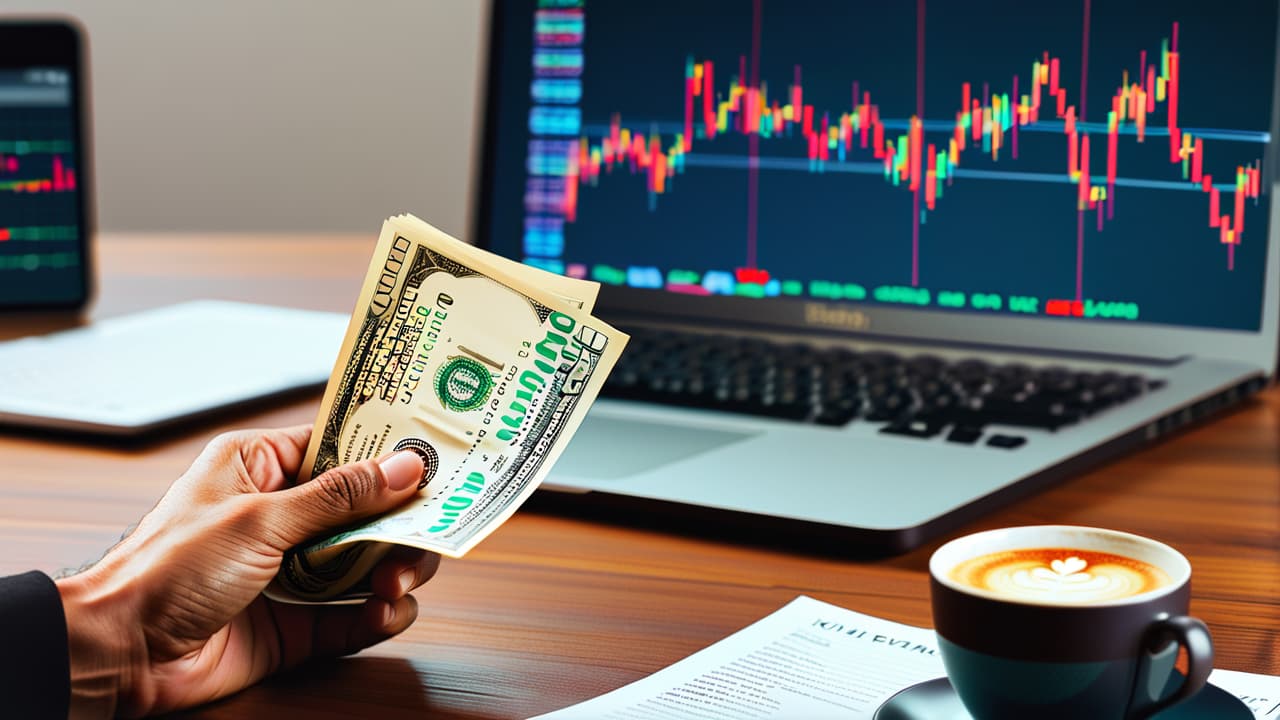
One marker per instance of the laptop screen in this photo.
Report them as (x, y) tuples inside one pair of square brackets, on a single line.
[(1092, 162), (42, 222)]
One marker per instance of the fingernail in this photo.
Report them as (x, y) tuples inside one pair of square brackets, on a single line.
[(406, 580), (404, 469)]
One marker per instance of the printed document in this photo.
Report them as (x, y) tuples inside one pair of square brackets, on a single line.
[(1260, 692), (815, 660)]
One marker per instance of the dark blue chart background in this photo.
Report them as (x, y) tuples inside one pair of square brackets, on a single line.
[(986, 236), (44, 284)]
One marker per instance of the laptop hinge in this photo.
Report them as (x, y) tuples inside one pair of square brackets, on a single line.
[(838, 338)]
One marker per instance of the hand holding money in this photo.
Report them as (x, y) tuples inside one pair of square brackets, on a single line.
[(482, 366)]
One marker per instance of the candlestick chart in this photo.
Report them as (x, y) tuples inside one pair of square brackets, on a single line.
[(37, 186), (40, 184), (1083, 162)]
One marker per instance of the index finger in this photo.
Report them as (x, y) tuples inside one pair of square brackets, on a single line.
[(274, 457), (402, 570)]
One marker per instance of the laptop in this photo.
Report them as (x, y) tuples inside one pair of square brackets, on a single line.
[(128, 375), (888, 266)]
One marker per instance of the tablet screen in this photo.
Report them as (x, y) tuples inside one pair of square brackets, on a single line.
[(43, 226)]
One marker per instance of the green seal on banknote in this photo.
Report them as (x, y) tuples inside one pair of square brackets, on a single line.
[(463, 384)]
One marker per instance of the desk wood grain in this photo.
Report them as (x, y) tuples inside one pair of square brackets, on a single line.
[(554, 609)]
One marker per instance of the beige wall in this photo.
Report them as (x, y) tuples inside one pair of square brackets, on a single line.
[(320, 115)]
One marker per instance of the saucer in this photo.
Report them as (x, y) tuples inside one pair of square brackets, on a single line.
[(935, 700)]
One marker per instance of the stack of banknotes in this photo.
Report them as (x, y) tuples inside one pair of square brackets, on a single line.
[(483, 366)]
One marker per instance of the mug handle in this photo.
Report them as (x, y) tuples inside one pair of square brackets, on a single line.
[(1155, 664)]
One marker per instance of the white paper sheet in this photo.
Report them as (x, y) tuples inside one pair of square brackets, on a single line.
[(809, 659), (814, 660), (1260, 692)]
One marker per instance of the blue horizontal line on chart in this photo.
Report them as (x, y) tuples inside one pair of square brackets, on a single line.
[(948, 127), (740, 162)]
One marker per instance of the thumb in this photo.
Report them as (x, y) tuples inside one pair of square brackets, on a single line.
[(343, 496)]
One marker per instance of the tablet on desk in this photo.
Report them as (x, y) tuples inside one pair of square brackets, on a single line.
[(127, 375), (137, 373)]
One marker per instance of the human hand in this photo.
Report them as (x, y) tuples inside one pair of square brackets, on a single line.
[(173, 615)]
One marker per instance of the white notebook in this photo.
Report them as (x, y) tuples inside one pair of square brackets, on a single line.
[(133, 374)]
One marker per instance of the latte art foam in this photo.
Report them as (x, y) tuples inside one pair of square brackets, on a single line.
[(1059, 575)]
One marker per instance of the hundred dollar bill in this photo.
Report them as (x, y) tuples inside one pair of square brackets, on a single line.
[(483, 366)]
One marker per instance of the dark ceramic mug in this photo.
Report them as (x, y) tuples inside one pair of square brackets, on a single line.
[(1040, 652)]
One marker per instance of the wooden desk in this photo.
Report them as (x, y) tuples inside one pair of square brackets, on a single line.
[(552, 610)]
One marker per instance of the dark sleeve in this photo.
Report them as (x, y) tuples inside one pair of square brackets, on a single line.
[(35, 670)]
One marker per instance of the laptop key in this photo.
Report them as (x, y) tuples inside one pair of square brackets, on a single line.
[(914, 427), (1028, 413), (1008, 442), (890, 406), (964, 434)]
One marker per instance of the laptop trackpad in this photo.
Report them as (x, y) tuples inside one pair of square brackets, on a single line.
[(607, 448)]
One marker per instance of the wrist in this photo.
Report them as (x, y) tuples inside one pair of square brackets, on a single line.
[(103, 645)]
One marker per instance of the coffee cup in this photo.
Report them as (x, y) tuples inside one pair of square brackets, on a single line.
[(1057, 621)]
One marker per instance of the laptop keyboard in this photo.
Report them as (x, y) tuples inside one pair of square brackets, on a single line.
[(921, 396)]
